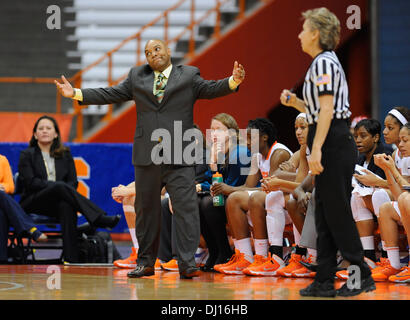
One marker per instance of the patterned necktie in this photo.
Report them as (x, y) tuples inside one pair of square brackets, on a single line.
[(160, 85)]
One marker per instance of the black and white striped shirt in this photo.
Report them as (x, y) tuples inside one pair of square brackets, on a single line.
[(326, 76)]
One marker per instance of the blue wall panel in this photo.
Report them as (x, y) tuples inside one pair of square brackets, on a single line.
[(110, 165), (394, 55)]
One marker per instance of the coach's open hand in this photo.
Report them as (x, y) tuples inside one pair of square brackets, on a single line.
[(65, 88), (238, 72)]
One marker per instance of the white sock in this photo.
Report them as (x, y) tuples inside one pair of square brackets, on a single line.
[(134, 238), (312, 253), (261, 247), (367, 242), (296, 235), (383, 245), (235, 243), (394, 256), (245, 246), (379, 197)]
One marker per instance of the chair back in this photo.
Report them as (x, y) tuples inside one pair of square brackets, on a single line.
[(18, 184)]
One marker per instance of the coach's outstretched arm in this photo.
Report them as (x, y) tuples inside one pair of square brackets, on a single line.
[(238, 76)]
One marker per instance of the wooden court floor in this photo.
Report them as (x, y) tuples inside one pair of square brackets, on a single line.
[(106, 282)]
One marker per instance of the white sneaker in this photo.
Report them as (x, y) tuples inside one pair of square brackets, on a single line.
[(201, 256)]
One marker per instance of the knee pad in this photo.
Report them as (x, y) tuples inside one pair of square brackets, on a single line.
[(359, 210), (274, 200), (379, 197), (275, 225)]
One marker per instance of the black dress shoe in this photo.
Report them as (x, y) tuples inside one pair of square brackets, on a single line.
[(107, 222), (207, 268), (189, 273), (318, 289), (366, 285), (209, 265), (141, 271)]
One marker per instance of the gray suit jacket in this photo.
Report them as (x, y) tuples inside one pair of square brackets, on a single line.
[(175, 112)]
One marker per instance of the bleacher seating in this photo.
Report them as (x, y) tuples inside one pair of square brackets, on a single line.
[(30, 49), (89, 28), (101, 25)]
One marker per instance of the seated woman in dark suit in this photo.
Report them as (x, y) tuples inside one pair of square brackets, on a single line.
[(49, 181)]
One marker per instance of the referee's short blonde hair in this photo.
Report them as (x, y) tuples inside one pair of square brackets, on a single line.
[(328, 25)]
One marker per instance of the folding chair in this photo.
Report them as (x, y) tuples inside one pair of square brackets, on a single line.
[(22, 249)]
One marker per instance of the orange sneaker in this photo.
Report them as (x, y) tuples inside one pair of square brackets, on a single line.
[(402, 277), (233, 259), (238, 266), (157, 265), (130, 262), (304, 272), (258, 260), (344, 274), (383, 273), (293, 265), (171, 265), (372, 265), (269, 268), (380, 265)]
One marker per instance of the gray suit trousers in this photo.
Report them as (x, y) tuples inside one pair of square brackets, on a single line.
[(179, 182)]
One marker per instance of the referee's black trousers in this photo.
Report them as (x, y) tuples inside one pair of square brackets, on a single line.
[(335, 226)]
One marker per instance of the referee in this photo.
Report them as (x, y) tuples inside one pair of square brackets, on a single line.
[(333, 155)]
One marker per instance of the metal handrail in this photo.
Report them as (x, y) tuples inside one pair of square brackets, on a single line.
[(76, 79)]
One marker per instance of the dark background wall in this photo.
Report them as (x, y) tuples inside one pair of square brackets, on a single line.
[(30, 49), (393, 55)]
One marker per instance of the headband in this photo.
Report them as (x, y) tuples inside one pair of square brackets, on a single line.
[(301, 115), (398, 115)]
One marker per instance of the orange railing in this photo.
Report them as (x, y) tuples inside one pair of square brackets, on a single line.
[(76, 80)]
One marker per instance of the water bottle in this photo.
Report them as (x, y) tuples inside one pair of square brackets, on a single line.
[(219, 199)]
